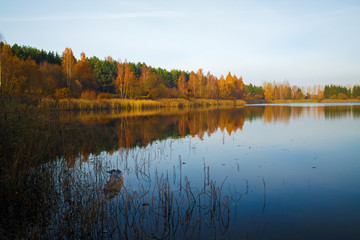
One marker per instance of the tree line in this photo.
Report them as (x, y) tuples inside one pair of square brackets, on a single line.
[(32, 71)]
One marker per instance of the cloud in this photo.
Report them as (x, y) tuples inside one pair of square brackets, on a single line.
[(103, 16)]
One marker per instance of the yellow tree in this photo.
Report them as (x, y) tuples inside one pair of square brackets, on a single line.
[(182, 85), (193, 84), (130, 82), (148, 81), (84, 73), (33, 79), (320, 93), (230, 88), (125, 82), (12, 80), (287, 90), (239, 87), (293, 91), (67, 65), (276, 92), (224, 91), (202, 83), (119, 81), (212, 87), (52, 77), (269, 93)]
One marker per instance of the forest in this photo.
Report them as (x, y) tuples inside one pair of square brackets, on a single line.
[(27, 70)]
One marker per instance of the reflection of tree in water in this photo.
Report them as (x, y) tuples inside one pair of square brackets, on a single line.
[(127, 132), (340, 111), (280, 113), (83, 135), (141, 131), (45, 198)]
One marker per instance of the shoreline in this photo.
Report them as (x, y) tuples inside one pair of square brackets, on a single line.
[(73, 104)]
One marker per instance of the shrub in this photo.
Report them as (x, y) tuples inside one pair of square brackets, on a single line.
[(76, 88), (299, 95), (61, 93), (258, 96), (88, 94), (104, 96), (342, 96)]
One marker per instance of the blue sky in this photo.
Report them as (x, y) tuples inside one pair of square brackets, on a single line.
[(305, 42)]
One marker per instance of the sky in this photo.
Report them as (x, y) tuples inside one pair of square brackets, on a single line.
[(304, 42)]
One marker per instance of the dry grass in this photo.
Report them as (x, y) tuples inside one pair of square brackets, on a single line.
[(99, 104), (129, 105)]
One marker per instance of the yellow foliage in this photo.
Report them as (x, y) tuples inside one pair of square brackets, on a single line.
[(61, 93)]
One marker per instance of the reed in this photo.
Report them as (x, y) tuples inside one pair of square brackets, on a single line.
[(57, 202), (44, 198), (98, 104), (129, 104)]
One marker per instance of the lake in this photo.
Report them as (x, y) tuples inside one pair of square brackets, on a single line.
[(285, 171)]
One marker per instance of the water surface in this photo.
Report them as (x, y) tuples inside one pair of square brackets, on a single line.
[(287, 171)]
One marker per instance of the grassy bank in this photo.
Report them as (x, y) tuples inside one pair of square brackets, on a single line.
[(340, 100), (128, 105), (25, 102)]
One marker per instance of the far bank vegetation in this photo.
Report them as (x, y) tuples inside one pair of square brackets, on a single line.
[(63, 82)]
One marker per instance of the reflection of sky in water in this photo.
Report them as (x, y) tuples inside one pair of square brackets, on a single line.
[(303, 174)]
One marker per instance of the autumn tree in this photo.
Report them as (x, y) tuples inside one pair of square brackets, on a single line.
[(1, 46), (125, 83), (294, 90), (148, 80), (233, 88), (212, 86), (145, 79), (193, 84), (276, 92), (32, 77), (120, 80), (67, 65), (224, 90), (182, 85), (84, 73), (299, 94), (230, 86), (201, 83), (287, 90), (239, 87), (12, 80), (52, 77), (268, 93)]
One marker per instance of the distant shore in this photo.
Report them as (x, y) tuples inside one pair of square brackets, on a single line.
[(316, 101), (74, 104)]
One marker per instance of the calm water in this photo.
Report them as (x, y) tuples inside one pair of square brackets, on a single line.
[(257, 172)]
